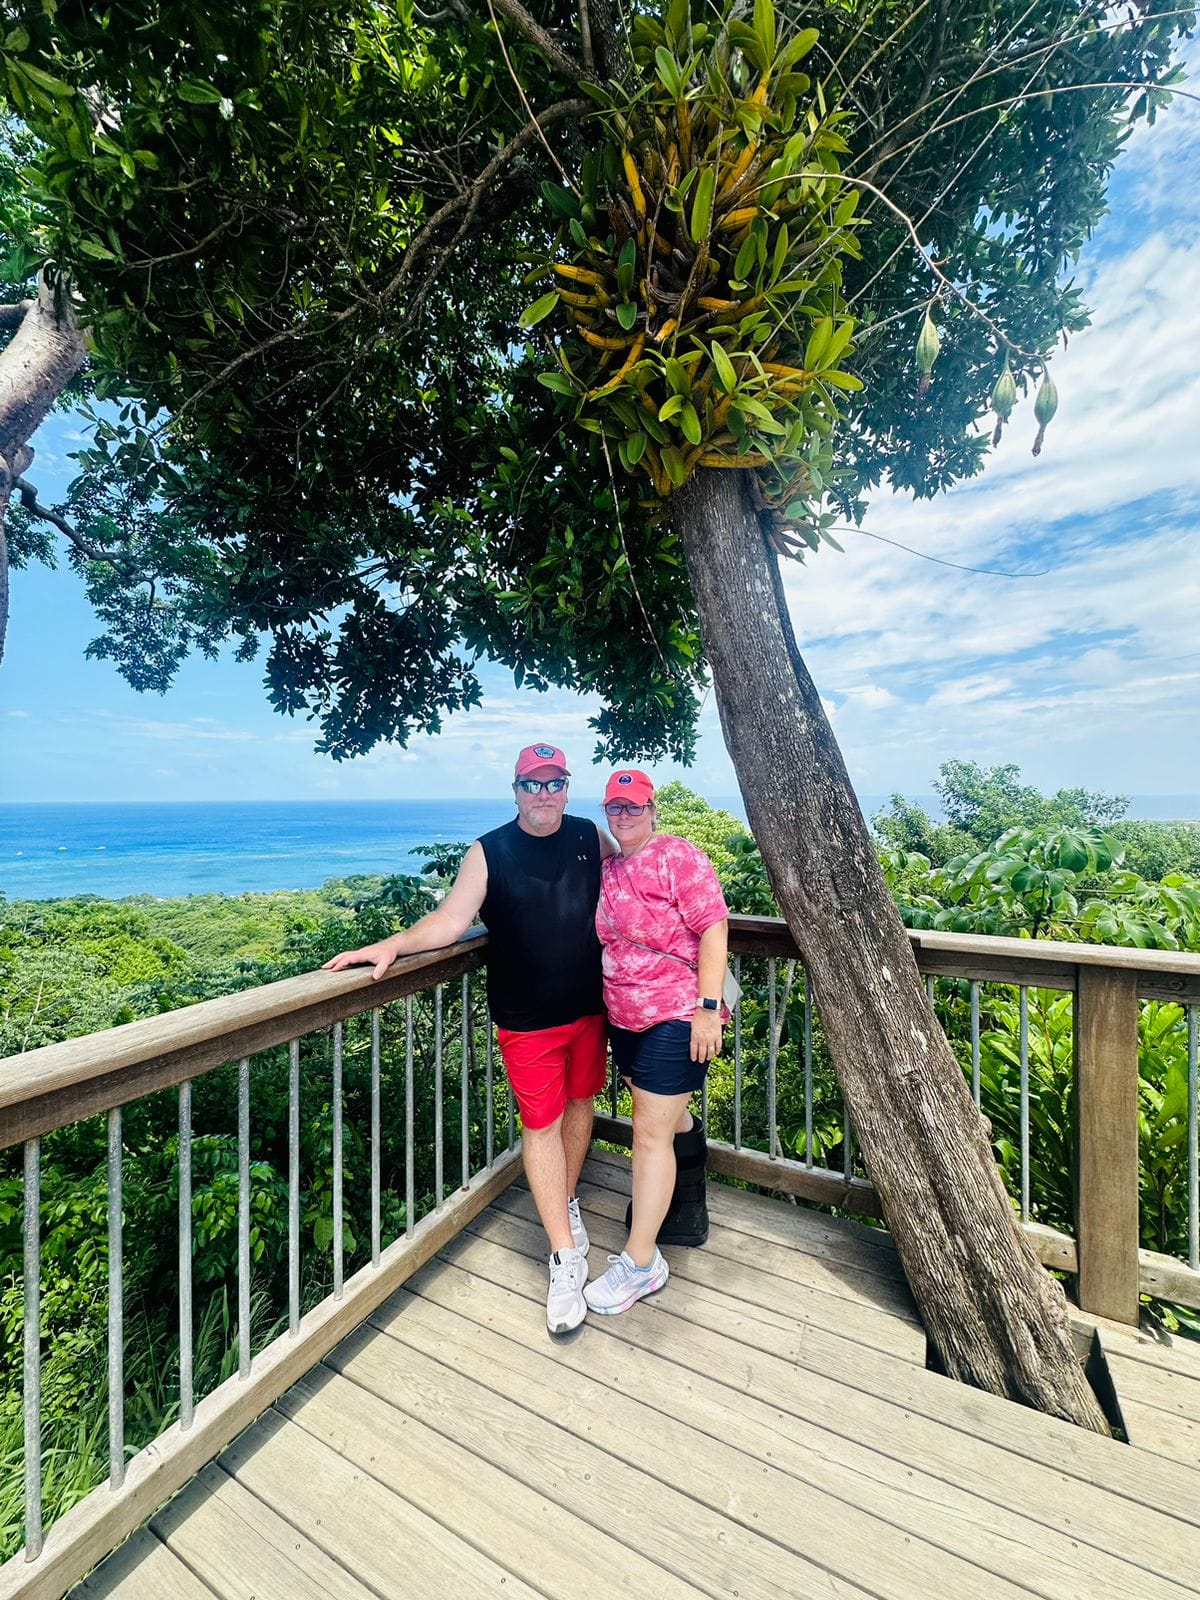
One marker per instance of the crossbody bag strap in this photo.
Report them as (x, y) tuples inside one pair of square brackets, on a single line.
[(692, 966)]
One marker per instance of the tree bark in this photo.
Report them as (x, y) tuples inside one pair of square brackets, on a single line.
[(994, 1316), (36, 365)]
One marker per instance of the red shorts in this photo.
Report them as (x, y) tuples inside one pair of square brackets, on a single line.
[(553, 1065)]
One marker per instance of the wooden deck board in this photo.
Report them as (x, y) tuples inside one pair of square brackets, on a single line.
[(739, 1276), (764, 1427), (689, 1430), (477, 1497), (761, 1217), (913, 1415), (393, 1547), (593, 1477), (142, 1569), (238, 1545)]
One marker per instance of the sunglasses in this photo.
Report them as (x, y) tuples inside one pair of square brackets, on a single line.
[(617, 808), (536, 785)]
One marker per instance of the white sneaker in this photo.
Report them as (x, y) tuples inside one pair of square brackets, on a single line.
[(578, 1232), (565, 1305), (624, 1284)]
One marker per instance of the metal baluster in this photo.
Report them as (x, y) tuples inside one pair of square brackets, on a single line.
[(737, 1061), (613, 1090), (808, 1072), (466, 1079), (186, 1394), (375, 1138), (409, 1166), (491, 1110), (116, 1307), (439, 1131), (243, 1232), (32, 1396), (338, 1229), (975, 1090), (1193, 1151), (294, 1187), (772, 1057), (1024, 1016)]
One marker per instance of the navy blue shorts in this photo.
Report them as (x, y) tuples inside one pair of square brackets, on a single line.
[(658, 1059)]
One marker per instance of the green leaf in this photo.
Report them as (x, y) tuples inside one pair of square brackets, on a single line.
[(818, 343), (627, 314), (533, 314), (671, 407), (669, 71), (702, 205), (779, 259), (764, 27), (558, 381), (689, 422), (746, 257), (635, 448), (43, 80), (98, 251), (675, 465), (726, 376), (197, 93), (677, 376), (796, 48)]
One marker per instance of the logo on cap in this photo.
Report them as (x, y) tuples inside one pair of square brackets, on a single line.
[(626, 777), (544, 750)]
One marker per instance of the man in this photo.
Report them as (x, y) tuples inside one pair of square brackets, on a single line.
[(534, 883)]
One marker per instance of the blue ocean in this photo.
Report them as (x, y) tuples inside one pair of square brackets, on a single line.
[(53, 850)]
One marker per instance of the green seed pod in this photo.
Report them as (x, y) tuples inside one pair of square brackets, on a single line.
[(928, 344), (1046, 403), (1004, 394), (1044, 408)]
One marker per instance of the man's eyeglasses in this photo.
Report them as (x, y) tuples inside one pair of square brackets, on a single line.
[(536, 785), (617, 808)]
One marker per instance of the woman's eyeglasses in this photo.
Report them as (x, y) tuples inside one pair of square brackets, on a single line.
[(536, 785), (617, 808)]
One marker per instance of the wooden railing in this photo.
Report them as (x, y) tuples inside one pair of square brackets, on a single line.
[(54, 1087), (1108, 985)]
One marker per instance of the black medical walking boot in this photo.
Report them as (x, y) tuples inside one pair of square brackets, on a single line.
[(686, 1221)]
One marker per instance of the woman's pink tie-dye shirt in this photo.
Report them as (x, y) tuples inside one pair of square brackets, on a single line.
[(665, 896)]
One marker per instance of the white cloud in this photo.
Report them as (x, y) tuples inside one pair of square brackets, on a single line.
[(1088, 667)]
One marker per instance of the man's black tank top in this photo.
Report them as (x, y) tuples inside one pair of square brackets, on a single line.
[(543, 959)]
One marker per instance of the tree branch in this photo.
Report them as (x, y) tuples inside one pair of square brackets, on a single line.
[(532, 30), (30, 502)]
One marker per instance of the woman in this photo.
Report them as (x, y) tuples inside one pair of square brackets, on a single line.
[(663, 922)]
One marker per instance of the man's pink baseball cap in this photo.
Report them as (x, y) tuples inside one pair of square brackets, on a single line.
[(630, 785), (540, 755)]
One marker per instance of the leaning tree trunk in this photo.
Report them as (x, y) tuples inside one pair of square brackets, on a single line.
[(995, 1317), (36, 365)]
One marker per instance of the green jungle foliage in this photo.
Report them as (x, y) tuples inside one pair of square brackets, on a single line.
[(1053, 867)]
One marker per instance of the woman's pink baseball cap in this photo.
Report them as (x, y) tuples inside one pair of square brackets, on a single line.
[(629, 784), (540, 755)]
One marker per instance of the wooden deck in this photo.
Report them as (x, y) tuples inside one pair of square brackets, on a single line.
[(763, 1428)]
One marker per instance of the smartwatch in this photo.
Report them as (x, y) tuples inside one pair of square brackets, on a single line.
[(707, 1004)]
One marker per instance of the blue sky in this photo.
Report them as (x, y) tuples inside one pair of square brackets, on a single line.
[(1087, 674)]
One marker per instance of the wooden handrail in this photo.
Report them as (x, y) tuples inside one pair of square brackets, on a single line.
[(59, 1083), (1107, 981), (1046, 963)]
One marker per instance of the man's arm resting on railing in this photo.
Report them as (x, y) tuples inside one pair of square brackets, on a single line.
[(439, 928)]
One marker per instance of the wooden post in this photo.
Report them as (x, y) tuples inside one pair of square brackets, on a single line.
[(1106, 1221)]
